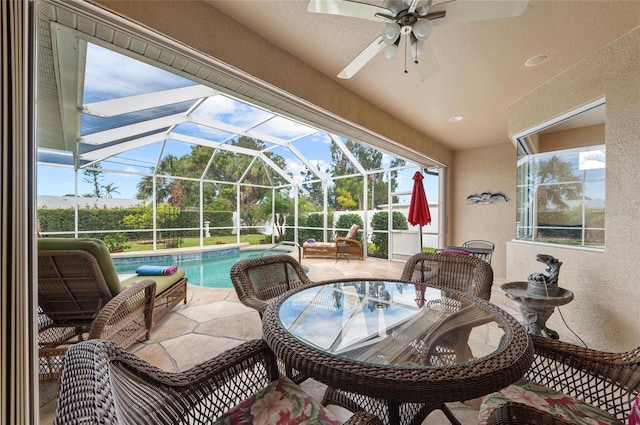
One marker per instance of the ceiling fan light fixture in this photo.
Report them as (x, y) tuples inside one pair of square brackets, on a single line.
[(390, 51), (423, 10), (391, 33), (422, 29)]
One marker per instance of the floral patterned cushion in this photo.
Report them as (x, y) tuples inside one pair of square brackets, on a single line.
[(548, 400), (634, 416), (280, 402)]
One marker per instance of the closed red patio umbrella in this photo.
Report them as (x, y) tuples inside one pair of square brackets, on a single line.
[(418, 208)]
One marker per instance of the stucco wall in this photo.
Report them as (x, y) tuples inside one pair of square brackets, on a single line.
[(604, 312), (577, 137), (486, 169)]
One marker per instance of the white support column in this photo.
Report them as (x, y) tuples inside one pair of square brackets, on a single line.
[(443, 206), (296, 192), (237, 221), (201, 216)]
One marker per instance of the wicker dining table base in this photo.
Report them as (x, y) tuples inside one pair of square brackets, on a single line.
[(389, 412)]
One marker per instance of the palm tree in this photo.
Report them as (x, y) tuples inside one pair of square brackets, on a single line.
[(110, 189), (552, 193), (169, 166)]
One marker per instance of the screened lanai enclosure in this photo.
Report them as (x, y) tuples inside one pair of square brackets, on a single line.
[(141, 145)]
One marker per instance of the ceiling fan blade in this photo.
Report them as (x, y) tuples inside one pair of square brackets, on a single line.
[(472, 10), (412, 5), (427, 65), (363, 58), (348, 8)]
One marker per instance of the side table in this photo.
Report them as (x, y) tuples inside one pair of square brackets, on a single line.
[(536, 308)]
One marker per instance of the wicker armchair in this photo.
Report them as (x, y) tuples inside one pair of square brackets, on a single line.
[(81, 297), (460, 272), (463, 273), (258, 281), (102, 383), (609, 382)]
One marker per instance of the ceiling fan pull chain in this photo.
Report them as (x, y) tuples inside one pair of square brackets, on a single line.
[(405, 56)]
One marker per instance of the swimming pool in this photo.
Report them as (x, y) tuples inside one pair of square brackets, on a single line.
[(209, 269)]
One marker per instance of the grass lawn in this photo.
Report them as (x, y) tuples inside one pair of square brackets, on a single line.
[(254, 239)]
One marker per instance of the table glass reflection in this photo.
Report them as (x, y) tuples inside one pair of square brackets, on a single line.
[(388, 323)]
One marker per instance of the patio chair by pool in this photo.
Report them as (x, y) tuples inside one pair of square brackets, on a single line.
[(258, 281), (570, 384), (80, 296), (343, 247), (102, 383), (463, 273)]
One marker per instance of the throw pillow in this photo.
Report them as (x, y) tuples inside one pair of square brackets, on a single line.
[(280, 402), (547, 400), (634, 417)]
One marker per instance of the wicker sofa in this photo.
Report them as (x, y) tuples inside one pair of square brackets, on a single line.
[(80, 296), (343, 247)]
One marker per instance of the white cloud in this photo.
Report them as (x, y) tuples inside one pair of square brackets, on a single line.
[(114, 75)]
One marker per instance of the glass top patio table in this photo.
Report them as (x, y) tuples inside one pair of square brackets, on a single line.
[(380, 344)]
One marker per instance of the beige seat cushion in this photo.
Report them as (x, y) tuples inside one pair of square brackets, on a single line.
[(162, 282), (352, 232)]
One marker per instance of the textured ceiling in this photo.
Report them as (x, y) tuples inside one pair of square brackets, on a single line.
[(481, 63)]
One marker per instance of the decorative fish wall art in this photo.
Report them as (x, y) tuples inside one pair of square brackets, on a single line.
[(486, 198)]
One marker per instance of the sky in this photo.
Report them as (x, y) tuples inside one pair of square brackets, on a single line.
[(109, 75)]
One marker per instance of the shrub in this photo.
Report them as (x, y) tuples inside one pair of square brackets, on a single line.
[(380, 221), (116, 241), (345, 221)]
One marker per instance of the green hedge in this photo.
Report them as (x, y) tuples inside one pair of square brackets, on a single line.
[(62, 220), (308, 220), (345, 221)]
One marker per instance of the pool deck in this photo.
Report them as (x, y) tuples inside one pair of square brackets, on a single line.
[(213, 320)]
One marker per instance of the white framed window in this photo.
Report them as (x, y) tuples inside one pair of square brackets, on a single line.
[(561, 197)]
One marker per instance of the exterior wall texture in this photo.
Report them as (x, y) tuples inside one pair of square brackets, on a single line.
[(486, 169), (604, 311)]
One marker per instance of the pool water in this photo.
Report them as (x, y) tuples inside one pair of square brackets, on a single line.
[(210, 272)]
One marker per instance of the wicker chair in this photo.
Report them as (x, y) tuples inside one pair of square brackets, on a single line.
[(609, 382), (344, 247), (80, 297), (460, 272), (258, 281), (463, 273), (102, 383)]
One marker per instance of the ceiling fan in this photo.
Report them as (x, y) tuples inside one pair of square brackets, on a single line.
[(413, 19)]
